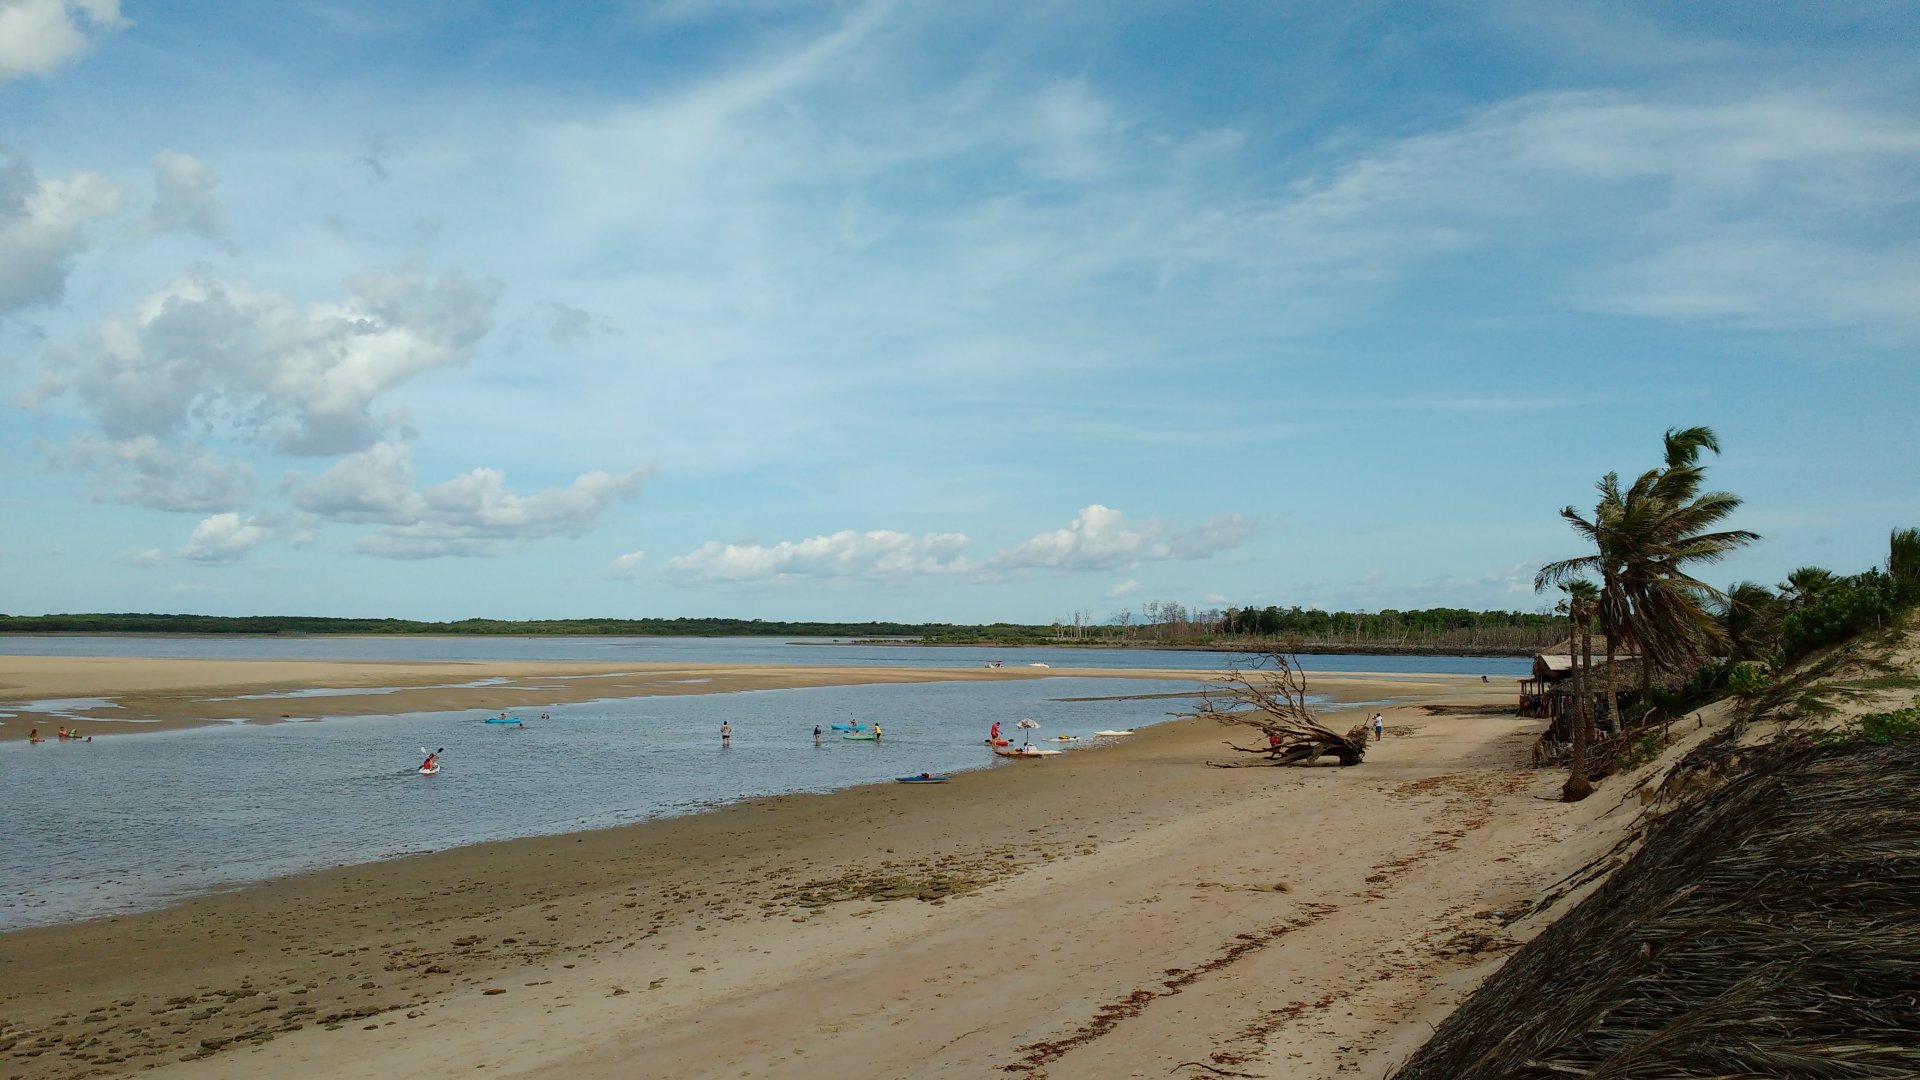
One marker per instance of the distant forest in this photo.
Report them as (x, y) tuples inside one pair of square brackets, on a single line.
[(1157, 624)]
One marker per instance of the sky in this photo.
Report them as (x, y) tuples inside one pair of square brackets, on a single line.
[(934, 311)]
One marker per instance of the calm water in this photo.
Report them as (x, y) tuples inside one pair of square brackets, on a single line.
[(615, 650), (130, 822)]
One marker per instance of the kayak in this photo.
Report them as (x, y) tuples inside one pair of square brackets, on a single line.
[(1000, 742), (1110, 734), (1029, 751), (1066, 738), (429, 770), (920, 779), (868, 737), (504, 720), (848, 727)]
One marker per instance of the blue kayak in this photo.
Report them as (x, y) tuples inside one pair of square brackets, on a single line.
[(848, 727), (920, 779), (504, 720)]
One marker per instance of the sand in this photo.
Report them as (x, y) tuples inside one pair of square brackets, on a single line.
[(1111, 913), (158, 695)]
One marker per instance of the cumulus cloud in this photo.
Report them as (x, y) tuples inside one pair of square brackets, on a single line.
[(43, 225), (628, 566), (183, 199), (882, 552), (222, 538), (1100, 538), (470, 515), (39, 36), (202, 354), (142, 471), (1097, 538)]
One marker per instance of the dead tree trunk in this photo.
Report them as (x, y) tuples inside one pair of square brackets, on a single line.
[(1269, 695)]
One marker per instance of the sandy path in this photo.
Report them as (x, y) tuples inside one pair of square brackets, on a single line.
[(1103, 914)]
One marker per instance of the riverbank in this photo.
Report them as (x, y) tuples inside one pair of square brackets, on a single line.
[(1108, 913)]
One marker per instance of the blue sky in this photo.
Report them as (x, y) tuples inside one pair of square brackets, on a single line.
[(933, 311)]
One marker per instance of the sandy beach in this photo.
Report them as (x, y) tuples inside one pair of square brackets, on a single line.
[(1117, 912)]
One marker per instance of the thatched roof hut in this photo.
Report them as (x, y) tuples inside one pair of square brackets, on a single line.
[(1772, 929), (1555, 662)]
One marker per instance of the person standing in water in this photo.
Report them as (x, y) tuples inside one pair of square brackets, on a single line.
[(876, 729), (816, 734), (726, 733)]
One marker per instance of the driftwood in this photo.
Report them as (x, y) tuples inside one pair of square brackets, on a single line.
[(1269, 694)]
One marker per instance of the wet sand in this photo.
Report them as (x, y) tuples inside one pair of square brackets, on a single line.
[(1115, 912)]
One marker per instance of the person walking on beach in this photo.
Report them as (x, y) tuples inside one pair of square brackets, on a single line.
[(1379, 727), (726, 733)]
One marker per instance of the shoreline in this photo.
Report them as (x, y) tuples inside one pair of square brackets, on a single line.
[(991, 917)]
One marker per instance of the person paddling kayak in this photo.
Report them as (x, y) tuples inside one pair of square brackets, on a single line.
[(433, 760)]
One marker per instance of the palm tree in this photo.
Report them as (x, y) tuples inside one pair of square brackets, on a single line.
[(1645, 538), (1583, 598), (1805, 586), (1903, 563), (1749, 616)]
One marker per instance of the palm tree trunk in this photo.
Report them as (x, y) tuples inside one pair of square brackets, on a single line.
[(1578, 786)]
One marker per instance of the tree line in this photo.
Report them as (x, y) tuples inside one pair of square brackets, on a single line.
[(1310, 629)]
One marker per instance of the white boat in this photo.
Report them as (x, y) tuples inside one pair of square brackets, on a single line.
[(1111, 734), (1027, 751)]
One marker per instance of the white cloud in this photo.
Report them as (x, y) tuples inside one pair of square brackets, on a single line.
[(628, 566), (222, 538), (43, 225), (143, 557), (1123, 588), (142, 471), (39, 36), (882, 552), (183, 198), (472, 515), (202, 354), (1100, 538)]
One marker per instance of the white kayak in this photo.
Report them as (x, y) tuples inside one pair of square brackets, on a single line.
[(429, 770), (1111, 734)]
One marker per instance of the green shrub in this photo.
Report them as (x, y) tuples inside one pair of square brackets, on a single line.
[(1883, 728), (1747, 680), (1854, 605)]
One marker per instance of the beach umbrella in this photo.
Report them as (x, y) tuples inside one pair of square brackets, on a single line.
[(1028, 724)]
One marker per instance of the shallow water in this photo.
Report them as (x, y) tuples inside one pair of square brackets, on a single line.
[(127, 823), (132, 821)]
